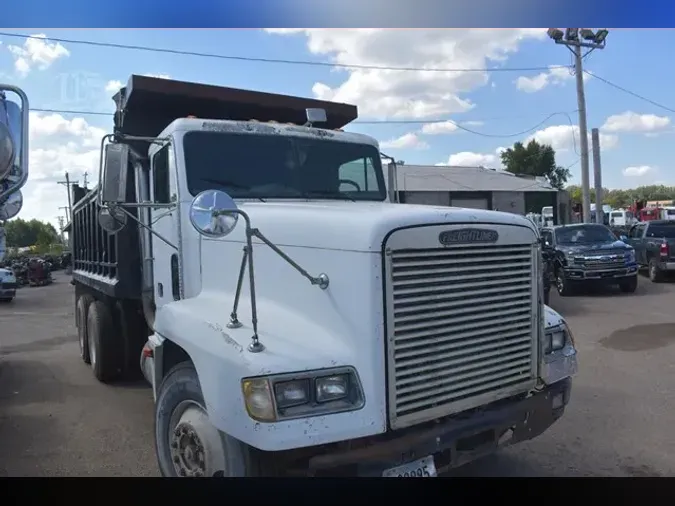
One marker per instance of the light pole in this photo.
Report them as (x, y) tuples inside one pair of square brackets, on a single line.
[(575, 39)]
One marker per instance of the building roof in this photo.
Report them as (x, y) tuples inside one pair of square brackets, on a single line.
[(468, 179)]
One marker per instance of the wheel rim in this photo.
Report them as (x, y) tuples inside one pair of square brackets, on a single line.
[(195, 444)]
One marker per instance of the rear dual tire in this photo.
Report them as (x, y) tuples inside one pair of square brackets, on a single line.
[(110, 338)]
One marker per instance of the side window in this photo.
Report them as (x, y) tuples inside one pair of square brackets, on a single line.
[(358, 176), (160, 171)]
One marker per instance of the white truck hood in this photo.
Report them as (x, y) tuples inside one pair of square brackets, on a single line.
[(356, 226)]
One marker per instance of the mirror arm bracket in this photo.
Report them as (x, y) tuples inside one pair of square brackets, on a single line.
[(321, 280), (149, 229)]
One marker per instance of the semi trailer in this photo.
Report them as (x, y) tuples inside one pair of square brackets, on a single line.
[(291, 317)]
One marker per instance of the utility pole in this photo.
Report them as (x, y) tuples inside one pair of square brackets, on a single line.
[(68, 184), (575, 39), (65, 208), (597, 176), (61, 224)]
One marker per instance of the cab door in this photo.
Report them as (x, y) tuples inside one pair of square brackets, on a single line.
[(165, 257)]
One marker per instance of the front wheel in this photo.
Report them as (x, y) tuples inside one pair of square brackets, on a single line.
[(186, 442), (563, 284), (629, 285)]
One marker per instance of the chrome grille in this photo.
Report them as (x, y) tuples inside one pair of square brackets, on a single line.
[(605, 261), (463, 326)]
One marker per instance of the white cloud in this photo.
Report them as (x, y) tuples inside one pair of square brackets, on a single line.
[(637, 171), (114, 85), (58, 145), (411, 94), (553, 76), (566, 137), (445, 127), (406, 141), (469, 159), (632, 122), (37, 51)]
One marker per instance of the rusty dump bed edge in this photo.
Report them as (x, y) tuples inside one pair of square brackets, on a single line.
[(148, 104)]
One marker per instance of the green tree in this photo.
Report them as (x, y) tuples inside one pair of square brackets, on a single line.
[(22, 233), (618, 197), (535, 159)]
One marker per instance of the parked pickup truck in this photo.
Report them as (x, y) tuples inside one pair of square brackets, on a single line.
[(654, 244), (589, 253)]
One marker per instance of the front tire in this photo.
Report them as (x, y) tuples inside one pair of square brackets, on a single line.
[(564, 286), (186, 442), (629, 285)]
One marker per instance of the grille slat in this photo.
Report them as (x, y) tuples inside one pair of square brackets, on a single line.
[(488, 357), (459, 288), (463, 325)]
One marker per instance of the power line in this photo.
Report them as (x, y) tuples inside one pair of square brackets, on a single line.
[(636, 95), (374, 122), (282, 61)]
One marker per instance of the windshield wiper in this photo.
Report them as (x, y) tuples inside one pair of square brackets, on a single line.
[(326, 193)]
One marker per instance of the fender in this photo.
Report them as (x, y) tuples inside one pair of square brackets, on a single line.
[(222, 360)]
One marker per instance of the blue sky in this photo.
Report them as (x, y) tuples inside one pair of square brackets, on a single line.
[(635, 147)]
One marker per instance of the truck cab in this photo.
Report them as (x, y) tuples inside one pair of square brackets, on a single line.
[(299, 321)]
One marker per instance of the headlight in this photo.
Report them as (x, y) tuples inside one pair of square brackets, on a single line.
[(557, 338), (630, 256), (331, 388), (312, 393), (569, 257)]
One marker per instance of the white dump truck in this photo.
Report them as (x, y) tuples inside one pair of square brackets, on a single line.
[(13, 159), (291, 317)]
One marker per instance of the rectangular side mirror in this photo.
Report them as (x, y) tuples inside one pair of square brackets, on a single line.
[(115, 171)]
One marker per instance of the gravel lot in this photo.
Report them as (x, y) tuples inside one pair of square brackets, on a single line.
[(57, 420)]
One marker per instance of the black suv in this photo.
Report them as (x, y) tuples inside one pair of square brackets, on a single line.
[(589, 253)]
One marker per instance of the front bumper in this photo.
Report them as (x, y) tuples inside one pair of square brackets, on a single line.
[(454, 441), (577, 273), (7, 290)]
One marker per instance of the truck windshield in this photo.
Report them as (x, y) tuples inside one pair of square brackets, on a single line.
[(665, 231), (584, 234), (276, 166)]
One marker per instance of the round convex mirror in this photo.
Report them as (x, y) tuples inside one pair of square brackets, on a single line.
[(112, 220), (11, 206), (213, 213), (6, 150)]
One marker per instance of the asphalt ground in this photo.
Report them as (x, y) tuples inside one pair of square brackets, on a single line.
[(57, 420)]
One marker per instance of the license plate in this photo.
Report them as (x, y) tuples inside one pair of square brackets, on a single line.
[(422, 468)]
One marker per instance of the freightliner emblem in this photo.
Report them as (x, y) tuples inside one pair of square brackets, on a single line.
[(467, 236)]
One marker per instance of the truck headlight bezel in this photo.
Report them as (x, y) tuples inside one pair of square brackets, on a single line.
[(557, 338), (630, 256), (304, 394)]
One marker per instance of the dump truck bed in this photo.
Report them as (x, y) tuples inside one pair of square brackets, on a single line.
[(146, 105)]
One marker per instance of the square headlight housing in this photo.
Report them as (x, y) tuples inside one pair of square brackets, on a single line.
[(556, 338), (310, 393)]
